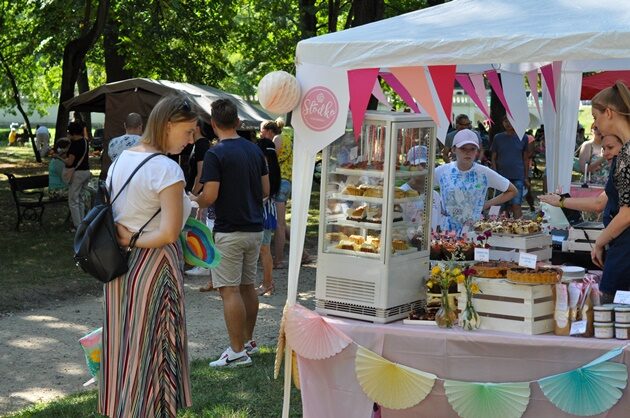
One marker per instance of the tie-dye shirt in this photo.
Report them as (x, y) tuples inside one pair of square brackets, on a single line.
[(463, 193)]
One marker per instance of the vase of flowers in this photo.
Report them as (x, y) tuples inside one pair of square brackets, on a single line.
[(469, 318), (446, 316)]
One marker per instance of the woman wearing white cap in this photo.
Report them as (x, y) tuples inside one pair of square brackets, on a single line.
[(464, 184)]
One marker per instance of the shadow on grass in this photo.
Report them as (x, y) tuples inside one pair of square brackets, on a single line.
[(248, 392)]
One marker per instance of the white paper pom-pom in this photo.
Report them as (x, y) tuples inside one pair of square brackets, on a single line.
[(278, 92)]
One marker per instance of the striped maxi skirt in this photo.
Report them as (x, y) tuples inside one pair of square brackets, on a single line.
[(144, 364)]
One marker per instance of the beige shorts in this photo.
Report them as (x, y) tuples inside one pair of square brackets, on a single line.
[(239, 258)]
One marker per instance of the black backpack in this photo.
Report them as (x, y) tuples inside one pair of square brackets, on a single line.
[(96, 248)]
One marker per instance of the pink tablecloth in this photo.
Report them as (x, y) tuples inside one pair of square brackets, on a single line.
[(330, 388)]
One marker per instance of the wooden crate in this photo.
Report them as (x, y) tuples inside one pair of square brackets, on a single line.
[(508, 307), (507, 247), (581, 239)]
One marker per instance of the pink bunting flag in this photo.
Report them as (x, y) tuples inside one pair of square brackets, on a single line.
[(400, 90), (415, 81), (443, 77), (360, 84), (377, 92), (467, 85), (532, 79), (493, 78), (548, 75), (480, 89)]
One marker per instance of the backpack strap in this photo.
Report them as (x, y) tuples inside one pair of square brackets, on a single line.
[(130, 177)]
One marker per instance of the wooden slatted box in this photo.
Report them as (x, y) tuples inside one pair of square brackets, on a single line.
[(507, 247)]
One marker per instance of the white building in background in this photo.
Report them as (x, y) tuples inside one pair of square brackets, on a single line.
[(462, 103), (49, 120)]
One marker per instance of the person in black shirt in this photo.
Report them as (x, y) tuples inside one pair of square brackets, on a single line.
[(77, 158)]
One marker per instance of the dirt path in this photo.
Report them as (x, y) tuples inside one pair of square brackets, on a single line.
[(40, 358)]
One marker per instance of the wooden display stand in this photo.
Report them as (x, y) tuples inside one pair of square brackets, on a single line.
[(582, 239), (506, 247), (503, 306)]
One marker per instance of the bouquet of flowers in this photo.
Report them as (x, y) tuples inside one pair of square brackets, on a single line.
[(469, 318), (445, 276)]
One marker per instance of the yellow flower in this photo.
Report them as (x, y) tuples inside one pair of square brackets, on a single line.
[(474, 288), (460, 279), (456, 272), (430, 285), (436, 270)]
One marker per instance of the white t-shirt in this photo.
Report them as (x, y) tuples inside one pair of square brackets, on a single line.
[(464, 193), (140, 199), (410, 209)]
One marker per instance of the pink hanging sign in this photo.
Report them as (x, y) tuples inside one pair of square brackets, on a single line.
[(319, 108)]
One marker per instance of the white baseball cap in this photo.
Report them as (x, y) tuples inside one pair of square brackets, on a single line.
[(465, 136)]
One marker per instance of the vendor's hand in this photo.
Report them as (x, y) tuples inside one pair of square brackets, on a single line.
[(487, 205), (123, 235), (552, 199), (597, 256)]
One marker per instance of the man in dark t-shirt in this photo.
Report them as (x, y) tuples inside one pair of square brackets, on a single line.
[(77, 157), (235, 179)]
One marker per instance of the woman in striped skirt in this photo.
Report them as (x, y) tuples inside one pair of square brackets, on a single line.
[(144, 366)]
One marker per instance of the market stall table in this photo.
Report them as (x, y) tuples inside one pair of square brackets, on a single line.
[(330, 387)]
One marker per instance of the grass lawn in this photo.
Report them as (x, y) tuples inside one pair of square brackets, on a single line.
[(247, 392)]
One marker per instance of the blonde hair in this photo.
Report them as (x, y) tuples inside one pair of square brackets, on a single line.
[(616, 97), (174, 108), (281, 123)]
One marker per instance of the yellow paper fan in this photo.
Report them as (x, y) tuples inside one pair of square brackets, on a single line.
[(311, 336), (295, 371), (389, 384), (281, 344)]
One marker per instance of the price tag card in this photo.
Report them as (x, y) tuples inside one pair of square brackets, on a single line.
[(527, 260), (623, 297), (494, 211), (354, 153), (578, 327), (482, 254)]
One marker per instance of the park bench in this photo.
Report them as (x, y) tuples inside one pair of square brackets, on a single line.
[(30, 197)]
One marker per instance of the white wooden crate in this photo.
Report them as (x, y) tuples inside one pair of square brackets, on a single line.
[(503, 306), (506, 247), (584, 234), (573, 246)]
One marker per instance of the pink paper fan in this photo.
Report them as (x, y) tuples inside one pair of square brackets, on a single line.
[(312, 337)]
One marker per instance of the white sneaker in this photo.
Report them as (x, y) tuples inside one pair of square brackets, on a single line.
[(198, 271), (251, 347), (231, 359)]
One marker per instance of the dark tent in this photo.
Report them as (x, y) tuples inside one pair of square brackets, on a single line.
[(139, 95), (592, 84)]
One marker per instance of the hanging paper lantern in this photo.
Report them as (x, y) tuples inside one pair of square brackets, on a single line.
[(278, 92)]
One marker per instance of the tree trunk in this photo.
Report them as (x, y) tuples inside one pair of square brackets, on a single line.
[(114, 61), (18, 104), (431, 3), (365, 11), (308, 20), (497, 112), (333, 15), (84, 85), (73, 56)]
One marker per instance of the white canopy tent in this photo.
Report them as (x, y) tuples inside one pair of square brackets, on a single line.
[(476, 35)]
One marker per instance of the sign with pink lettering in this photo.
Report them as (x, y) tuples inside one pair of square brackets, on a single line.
[(319, 108)]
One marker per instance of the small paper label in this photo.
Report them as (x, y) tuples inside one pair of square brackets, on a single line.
[(354, 153), (494, 211), (578, 327), (527, 260), (482, 254), (623, 297)]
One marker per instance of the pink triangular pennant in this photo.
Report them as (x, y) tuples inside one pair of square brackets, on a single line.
[(360, 84), (443, 77), (532, 79), (400, 90), (493, 78), (468, 87), (415, 81), (548, 76), (377, 92), (480, 89)]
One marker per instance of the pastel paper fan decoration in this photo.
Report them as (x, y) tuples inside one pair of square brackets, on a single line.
[(391, 385), (198, 245), (312, 337), (589, 390), (279, 92), (295, 371), (487, 400)]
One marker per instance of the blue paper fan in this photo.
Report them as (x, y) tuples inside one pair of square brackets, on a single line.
[(589, 390), (198, 245), (487, 400)]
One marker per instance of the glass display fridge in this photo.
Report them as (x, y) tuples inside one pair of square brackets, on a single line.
[(374, 230)]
